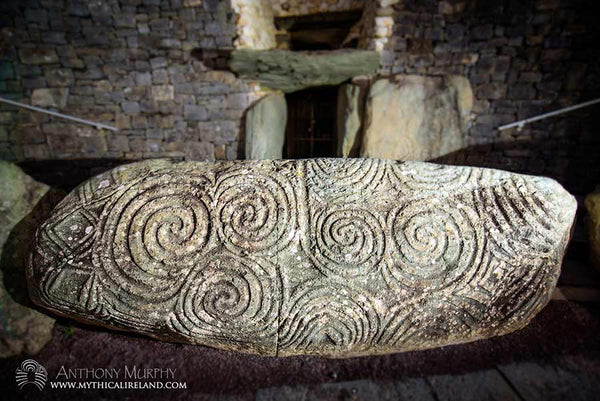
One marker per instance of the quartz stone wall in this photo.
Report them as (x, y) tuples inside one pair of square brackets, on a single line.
[(522, 58), (285, 8)]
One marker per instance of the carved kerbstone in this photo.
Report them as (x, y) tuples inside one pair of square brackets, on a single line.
[(336, 257)]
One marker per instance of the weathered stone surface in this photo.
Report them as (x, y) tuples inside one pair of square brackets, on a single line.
[(53, 97), (38, 55), (592, 204), (265, 128), (290, 71), (23, 329), (416, 117), (349, 117), (255, 25), (336, 257)]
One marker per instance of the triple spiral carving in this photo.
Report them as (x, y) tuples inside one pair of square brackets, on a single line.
[(153, 234), (295, 257)]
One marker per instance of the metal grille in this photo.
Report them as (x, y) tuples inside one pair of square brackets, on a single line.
[(311, 125)]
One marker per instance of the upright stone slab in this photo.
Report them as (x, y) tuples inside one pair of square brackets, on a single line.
[(265, 128), (411, 117), (592, 204), (22, 329), (349, 117), (335, 257)]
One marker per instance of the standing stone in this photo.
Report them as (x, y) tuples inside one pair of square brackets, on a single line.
[(416, 117), (265, 128), (334, 257), (592, 204), (349, 117), (23, 329)]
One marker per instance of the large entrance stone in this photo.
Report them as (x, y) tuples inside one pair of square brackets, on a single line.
[(413, 117), (335, 257)]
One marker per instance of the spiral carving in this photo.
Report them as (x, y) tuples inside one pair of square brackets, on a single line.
[(426, 177), (348, 176), (327, 257), (327, 317), (434, 244), (347, 241), (257, 213), (230, 296), (153, 234), (518, 219)]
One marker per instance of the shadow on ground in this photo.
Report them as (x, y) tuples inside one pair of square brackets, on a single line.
[(562, 329)]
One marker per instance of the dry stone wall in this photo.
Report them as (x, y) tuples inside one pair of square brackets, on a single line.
[(127, 63), (522, 58)]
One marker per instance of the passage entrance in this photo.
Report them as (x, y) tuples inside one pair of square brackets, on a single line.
[(311, 124)]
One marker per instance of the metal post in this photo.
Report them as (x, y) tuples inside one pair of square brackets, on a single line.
[(60, 115)]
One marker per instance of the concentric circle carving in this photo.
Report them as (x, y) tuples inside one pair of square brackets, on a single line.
[(427, 177), (347, 241), (256, 213), (434, 244), (153, 234), (325, 317)]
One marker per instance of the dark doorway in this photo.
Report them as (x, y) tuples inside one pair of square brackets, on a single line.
[(322, 31), (311, 126)]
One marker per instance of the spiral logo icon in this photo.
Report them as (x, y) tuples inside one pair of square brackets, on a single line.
[(31, 372), (155, 231)]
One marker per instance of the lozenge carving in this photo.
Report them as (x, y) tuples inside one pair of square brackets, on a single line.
[(334, 257)]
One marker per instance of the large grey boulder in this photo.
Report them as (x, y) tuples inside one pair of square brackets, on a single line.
[(335, 257), (265, 128), (410, 117), (23, 329)]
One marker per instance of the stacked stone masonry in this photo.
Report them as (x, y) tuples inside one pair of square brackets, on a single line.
[(130, 63), (522, 58), (126, 63)]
